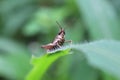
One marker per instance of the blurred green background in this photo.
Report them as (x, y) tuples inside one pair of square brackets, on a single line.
[(25, 25)]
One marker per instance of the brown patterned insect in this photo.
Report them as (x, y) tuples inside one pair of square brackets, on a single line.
[(58, 41)]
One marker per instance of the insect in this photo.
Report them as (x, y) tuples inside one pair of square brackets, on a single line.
[(58, 41)]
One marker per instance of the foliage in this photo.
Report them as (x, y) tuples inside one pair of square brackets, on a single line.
[(25, 25), (41, 64), (101, 54)]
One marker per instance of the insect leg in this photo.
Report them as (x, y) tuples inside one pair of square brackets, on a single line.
[(58, 45), (68, 41)]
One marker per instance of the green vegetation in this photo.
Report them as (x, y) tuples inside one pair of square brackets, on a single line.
[(92, 25)]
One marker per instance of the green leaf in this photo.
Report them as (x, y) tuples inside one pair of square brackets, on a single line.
[(104, 55), (43, 20), (15, 13), (41, 64), (14, 59), (101, 19)]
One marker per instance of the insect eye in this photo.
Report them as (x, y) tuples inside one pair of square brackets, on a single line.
[(64, 32), (59, 33)]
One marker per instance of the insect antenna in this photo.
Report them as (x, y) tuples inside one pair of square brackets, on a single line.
[(59, 25)]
